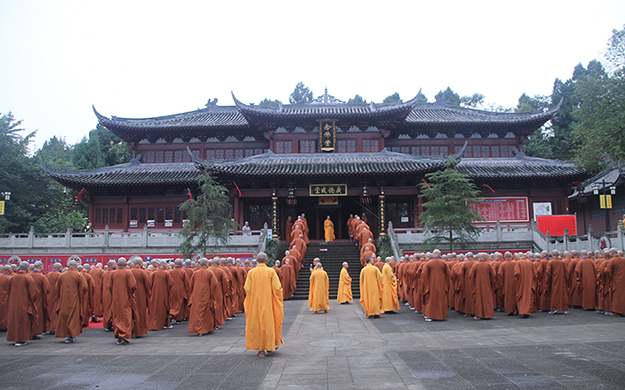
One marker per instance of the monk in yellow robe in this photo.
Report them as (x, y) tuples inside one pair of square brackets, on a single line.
[(263, 308), (319, 292), (371, 289), (344, 295), (390, 301), (328, 228)]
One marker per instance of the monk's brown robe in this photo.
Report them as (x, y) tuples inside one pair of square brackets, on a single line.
[(411, 275), (364, 237), (499, 303), (483, 288), (88, 301), (457, 280), (53, 277), (379, 264), (418, 291), (349, 228), (615, 273), (288, 228), (363, 258), (507, 285), (41, 303), (96, 276), (300, 244), (558, 287), (107, 323), (187, 308), (288, 281), (465, 272), (23, 293), (435, 282), (158, 308), (222, 295), (142, 300), (122, 288), (543, 294), (602, 288), (71, 288), (293, 261), (178, 293), (575, 293), (295, 253), (240, 277), (228, 287), (525, 275), (279, 273), (4, 300), (586, 277), (204, 286)]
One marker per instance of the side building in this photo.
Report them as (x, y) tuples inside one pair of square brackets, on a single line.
[(322, 158)]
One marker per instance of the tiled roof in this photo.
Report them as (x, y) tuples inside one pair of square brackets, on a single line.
[(443, 114), (130, 173), (520, 167), (611, 177), (325, 164)]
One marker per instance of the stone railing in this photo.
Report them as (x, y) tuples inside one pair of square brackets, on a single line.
[(589, 242), (397, 252), (108, 241)]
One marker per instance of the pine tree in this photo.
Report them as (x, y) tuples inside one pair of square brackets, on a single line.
[(209, 215), (450, 207), (301, 94)]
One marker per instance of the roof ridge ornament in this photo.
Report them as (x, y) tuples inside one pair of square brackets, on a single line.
[(136, 160), (458, 155), (211, 103), (326, 99)]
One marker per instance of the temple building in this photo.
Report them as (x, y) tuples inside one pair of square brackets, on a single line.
[(321, 158)]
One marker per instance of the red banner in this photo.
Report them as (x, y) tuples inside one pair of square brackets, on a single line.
[(555, 224), (504, 209)]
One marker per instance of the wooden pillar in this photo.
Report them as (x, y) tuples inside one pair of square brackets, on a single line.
[(275, 218), (381, 216)]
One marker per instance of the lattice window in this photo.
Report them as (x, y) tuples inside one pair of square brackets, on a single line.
[(280, 147), (105, 216), (169, 212), (405, 149), (210, 154), (229, 154), (307, 147), (425, 151), (444, 151), (133, 213), (149, 156), (249, 152), (436, 151), (151, 211), (169, 156), (366, 145), (160, 215), (120, 215), (477, 151), (506, 151), (342, 146), (375, 145), (112, 215), (177, 215), (415, 151), (485, 151), (98, 215), (178, 156), (495, 151), (219, 154), (158, 157), (238, 153), (351, 145), (288, 146), (142, 217), (257, 152)]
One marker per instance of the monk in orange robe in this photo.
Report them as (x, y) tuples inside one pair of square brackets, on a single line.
[(369, 244), (344, 294), (366, 253), (178, 293), (525, 276), (467, 289), (508, 284), (23, 294), (542, 280), (263, 308), (142, 296), (222, 278), (53, 277), (96, 276), (70, 289), (159, 298), (204, 286), (586, 277), (289, 279), (300, 244), (296, 253), (288, 227), (5, 277), (187, 268), (276, 267), (328, 229), (41, 303), (88, 301), (364, 236), (483, 280), (435, 283), (615, 273), (122, 289), (106, 296), (306, 230), (371, 289), (557, 276), (319, 291), (390, 301), (238, 278), (575, 296)]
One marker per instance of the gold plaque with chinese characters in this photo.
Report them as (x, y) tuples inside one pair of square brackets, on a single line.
[(328, 189), (327, 134)]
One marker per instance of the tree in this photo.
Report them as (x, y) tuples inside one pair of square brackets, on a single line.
[(392, 98), (357, 99), (450, 206), (449, 96), (209, 215), (472, 101), (301, 94), (615, 54), (268, 102), (101, 149)]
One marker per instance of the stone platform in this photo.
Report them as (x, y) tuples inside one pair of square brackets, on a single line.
[(339, 350)]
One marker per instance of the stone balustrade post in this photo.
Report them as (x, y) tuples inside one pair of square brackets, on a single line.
[(548, 238), (566, 239), (68, 237), (107, 235), (31, 237), (145, 236), (499, 231), (590, 243)]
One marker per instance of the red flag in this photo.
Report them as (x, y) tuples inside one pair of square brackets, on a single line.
[(190, 195), (426, 183), (489, 187), (235, 184), (80, 194)]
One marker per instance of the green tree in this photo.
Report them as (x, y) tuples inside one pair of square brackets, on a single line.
[(474, 101), (450, 206), (615, 54), (101, 149), (392, 98), (357, 99), (209, 215), (301, 94), (269, 102), (449, 96)]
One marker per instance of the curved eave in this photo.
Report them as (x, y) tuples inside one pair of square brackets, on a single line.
[(517, 168)]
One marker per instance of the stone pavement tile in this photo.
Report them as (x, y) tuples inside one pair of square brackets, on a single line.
[(608, 376), (451, 383), (312, 380), (162, 385), (120, 381), (238, 385), (533, 381), (505, 366), (201, 381), (615, 347), (585, 384)]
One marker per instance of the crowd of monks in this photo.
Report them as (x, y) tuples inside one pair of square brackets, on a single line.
[(129, 297)]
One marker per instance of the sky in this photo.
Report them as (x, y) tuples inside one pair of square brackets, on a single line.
[(143, 59)]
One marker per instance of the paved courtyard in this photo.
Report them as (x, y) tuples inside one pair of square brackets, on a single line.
[(339, 350)]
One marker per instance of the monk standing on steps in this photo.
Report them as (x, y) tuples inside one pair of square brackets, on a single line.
[(264, 311)]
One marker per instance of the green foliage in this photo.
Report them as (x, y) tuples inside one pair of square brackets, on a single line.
[(615, 54), (527, 103), (449, 96), (472, 101), (210, 218), (383, 246), (392, 98), (450, 206), (357, 99), (58, 221), (101, 149), (301, 94), (269, 102), (271, 249)]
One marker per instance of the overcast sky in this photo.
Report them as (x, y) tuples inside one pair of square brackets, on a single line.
[(143, 59)]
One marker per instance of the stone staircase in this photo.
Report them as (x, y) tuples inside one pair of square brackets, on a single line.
[(332, 256)]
